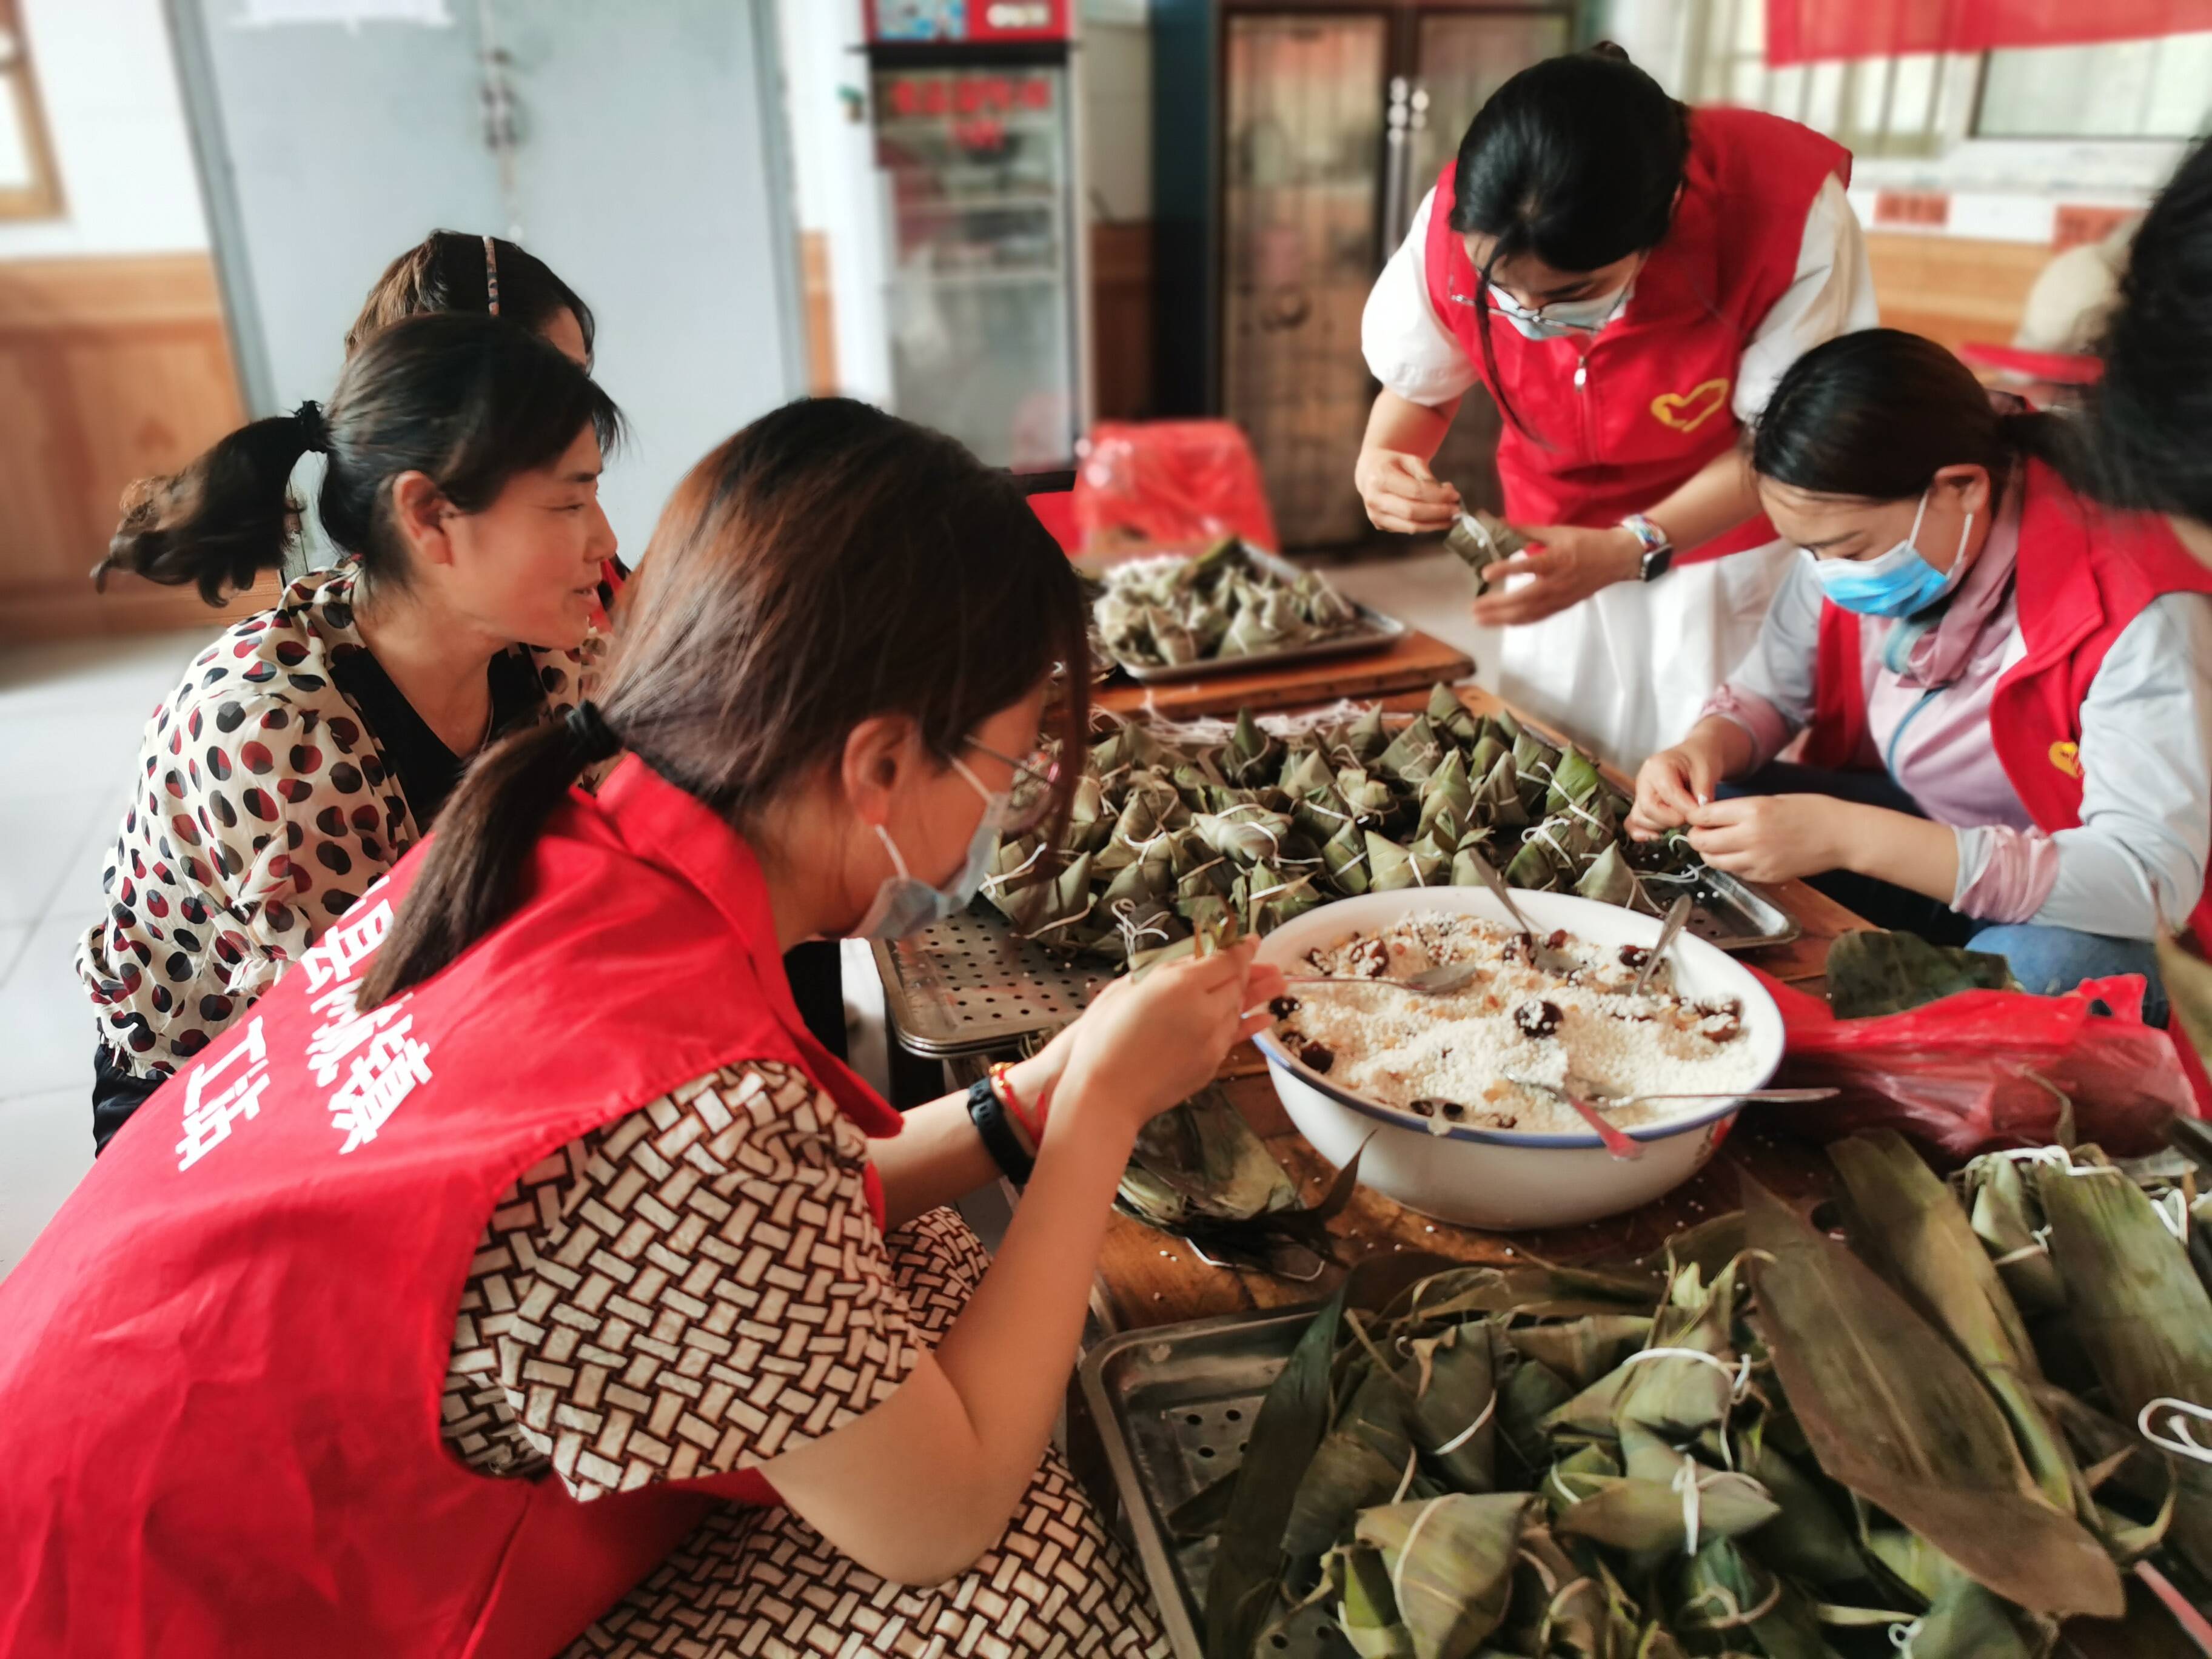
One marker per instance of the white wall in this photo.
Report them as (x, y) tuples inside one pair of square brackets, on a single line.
[(1117, 111), (107, 80), (825, 84)]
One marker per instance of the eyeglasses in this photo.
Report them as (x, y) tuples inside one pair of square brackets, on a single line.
[(1029, 796)]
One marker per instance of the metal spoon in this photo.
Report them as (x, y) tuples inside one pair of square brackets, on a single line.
[(1678, 914), (1784, 1096), (1496, 883), (1620, 1144), (1440, 980)]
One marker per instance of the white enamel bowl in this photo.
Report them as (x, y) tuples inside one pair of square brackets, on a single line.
[(1505, 1180)]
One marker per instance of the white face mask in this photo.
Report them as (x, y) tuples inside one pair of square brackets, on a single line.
[(905, 904), (1563, 316)]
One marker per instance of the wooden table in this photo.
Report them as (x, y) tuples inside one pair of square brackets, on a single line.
[(1412, 662)]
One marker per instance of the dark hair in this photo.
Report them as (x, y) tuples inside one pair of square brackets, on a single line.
[(1876, 414), (2150, 417), (828, 564), (465, 399), (449, 271), (1576, 161)]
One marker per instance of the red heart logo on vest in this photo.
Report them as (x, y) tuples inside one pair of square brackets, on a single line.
[(1686, 411)]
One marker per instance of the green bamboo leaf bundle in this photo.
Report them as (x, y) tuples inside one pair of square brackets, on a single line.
[(1894, 1414)]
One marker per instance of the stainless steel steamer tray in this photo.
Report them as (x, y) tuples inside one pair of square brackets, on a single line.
[(968, 986), (1172, 1406), (1375, 631)]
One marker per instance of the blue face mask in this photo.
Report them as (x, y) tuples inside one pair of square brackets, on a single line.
[(1898, 583), (905, 904)]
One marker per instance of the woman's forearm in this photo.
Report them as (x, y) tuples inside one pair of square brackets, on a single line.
[(1716, 498), (1409, 429), (937, 1156), (1907, 852), (919, 1487)]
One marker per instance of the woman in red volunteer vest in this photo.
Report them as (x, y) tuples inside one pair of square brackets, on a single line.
[(520, 1276), (2009, 690), (1628, 279)]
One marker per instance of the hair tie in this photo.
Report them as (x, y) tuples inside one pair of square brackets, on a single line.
[(491, 273), (315, 431), (593, 739)]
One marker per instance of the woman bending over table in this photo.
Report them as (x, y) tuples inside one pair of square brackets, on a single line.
[(310, 746), (522, 1278), (2006, 687)]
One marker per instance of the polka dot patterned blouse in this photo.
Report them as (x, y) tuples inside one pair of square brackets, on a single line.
[(263, 806)]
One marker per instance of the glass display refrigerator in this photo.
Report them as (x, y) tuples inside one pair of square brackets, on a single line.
[(985, 286)]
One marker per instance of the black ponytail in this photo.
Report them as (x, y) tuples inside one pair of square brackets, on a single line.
[(1876, 414), (466, 400), (221, 521), (1575, 160)]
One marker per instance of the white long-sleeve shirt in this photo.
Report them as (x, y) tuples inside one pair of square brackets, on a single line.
[(2139, 853), (1411, 351)]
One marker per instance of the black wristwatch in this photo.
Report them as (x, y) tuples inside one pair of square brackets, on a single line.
[(985, 1112), (1658, 552)]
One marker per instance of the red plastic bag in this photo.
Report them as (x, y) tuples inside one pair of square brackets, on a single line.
[(1977, 1069), (1174, 486)]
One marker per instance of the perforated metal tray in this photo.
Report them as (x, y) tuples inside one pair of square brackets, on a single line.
[(1172, 1406), (969, 985), (1375, 631)]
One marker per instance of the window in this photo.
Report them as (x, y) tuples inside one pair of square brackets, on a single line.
[(1872, 106), (28, 188), (2159, 88)]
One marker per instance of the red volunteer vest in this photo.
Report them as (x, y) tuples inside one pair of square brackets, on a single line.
[(219, 1393), (1653, 406), (2084, 575)]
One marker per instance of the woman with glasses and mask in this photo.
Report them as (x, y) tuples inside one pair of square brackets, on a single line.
[(1628, 279), (522, 1278), (2006, 690)]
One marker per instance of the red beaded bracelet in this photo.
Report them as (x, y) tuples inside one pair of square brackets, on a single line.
[(1002, 1085)]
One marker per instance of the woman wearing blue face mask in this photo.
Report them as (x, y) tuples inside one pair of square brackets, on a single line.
[(1628, 279), (2006, 690), (522, 1273)]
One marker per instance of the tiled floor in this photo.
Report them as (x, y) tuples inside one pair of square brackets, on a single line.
[(70, 717)]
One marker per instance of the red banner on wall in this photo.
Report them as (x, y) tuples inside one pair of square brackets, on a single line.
[(1801, 31)]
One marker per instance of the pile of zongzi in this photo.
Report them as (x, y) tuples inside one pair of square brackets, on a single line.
[(1171, 612), (1938, 1436), (1166, 835)]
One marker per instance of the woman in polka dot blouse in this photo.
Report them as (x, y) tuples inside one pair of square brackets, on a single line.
[(309, 746)]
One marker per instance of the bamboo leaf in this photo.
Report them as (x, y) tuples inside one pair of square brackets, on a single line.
[(1872, 973), (1906, 1225), (1248, 1562), (2143, 1315), (1896, 1415), (1450, 1562)]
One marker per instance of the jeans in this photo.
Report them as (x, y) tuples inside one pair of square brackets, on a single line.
[(2047, 961)]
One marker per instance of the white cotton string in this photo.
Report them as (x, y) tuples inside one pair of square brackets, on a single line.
[(2058, 1157), (2092, 1169), (1406, 1550), (1471, 1430), (1595, 823), (1685, 1482), (994, 883), (1566, 1491), (2040, 1247), (2173, 1209), (1902, 1636), (1406, 1480), (1560, 1596), (1319, 811), (1736, 1614), (2181, 1442)]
